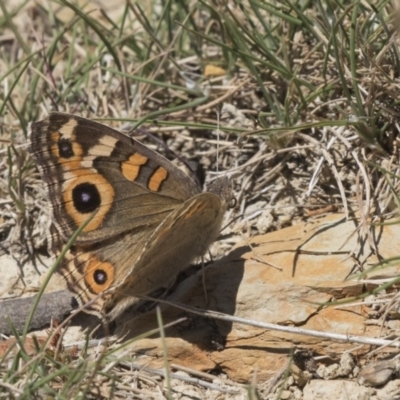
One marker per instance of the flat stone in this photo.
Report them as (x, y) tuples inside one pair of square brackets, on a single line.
[(285, 278)]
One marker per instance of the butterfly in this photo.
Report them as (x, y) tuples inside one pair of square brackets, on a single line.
[(149, 219)]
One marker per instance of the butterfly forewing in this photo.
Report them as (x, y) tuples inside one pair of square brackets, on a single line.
[(89, 167)]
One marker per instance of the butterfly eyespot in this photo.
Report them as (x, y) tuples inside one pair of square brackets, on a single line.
[(100, 276), (86, 197), (232, 202), (65, 149)]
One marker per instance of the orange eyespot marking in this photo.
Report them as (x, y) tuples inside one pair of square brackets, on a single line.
[(84, 194), (99, 275), (64, 146), (130, 169), (157, 178), (55, 136)]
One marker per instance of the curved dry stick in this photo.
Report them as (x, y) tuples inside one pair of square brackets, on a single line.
[(52, 305)]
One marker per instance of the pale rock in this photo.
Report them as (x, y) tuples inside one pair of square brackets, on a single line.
[(335, 390), (16, 284), (297, 394), (347, 364), (330, 372), (285, 395), (390, 392), (184, 391)]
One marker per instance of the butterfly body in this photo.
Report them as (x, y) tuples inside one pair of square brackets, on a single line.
[(150, 219)]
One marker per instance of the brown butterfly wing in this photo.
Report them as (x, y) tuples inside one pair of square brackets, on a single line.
[(91, 168)]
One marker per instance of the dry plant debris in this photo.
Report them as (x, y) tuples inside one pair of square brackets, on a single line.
[(297, 102)]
